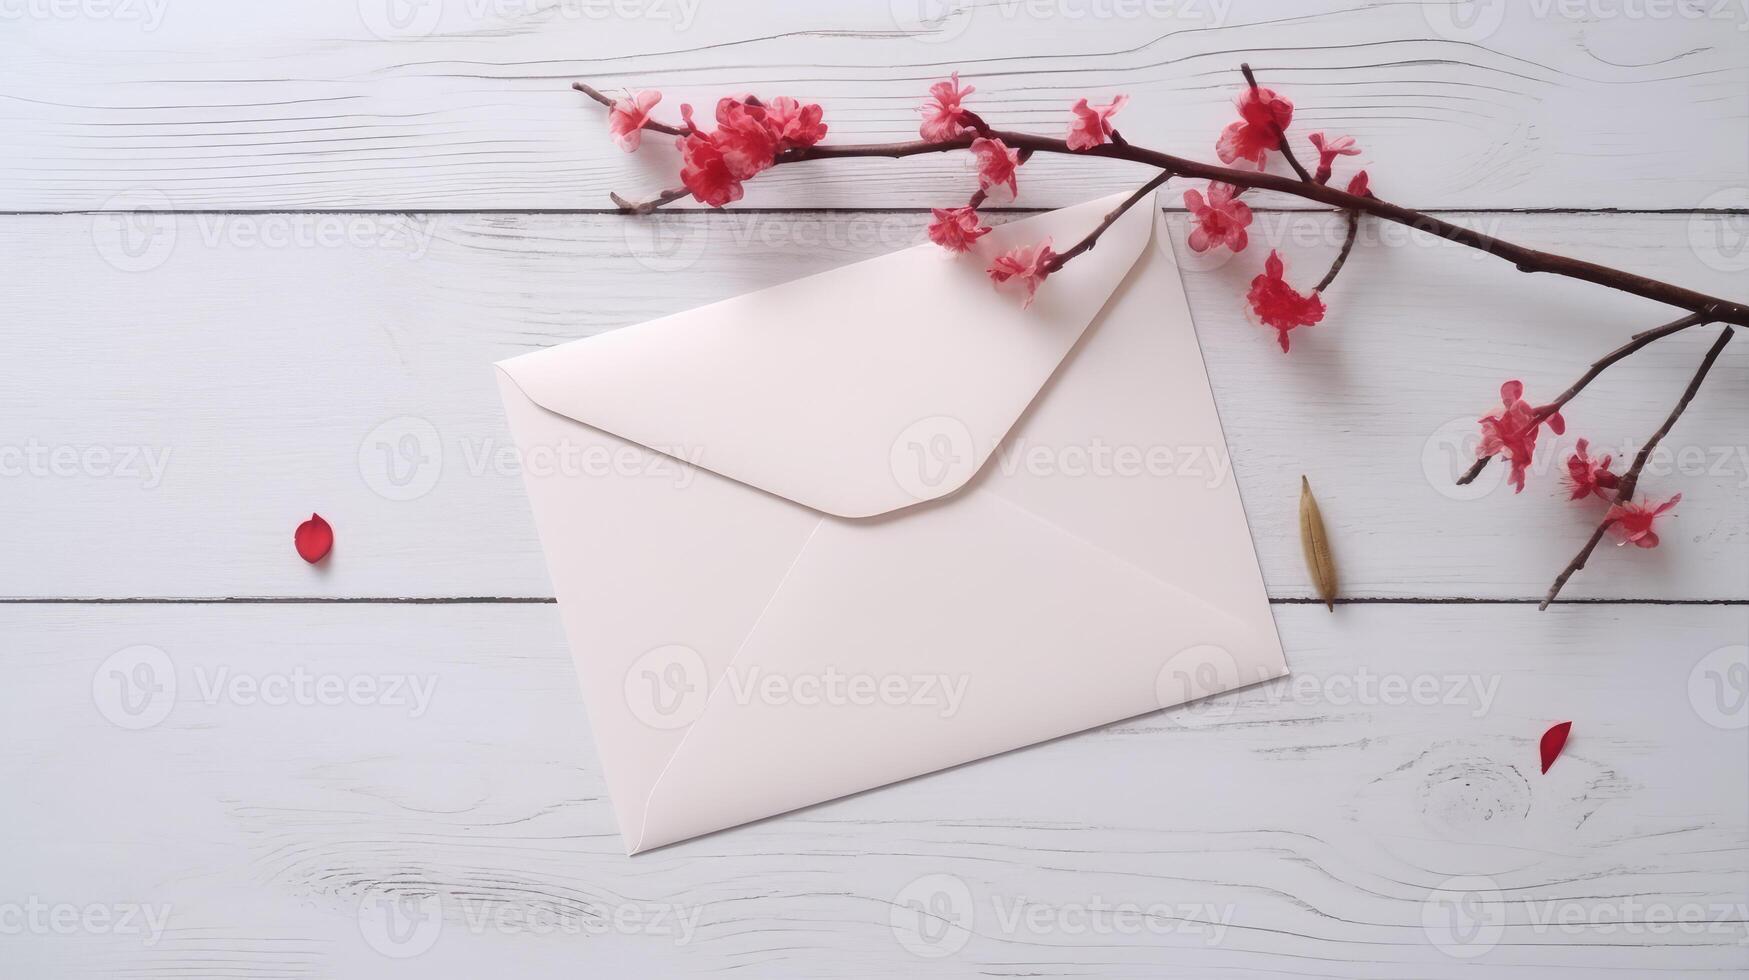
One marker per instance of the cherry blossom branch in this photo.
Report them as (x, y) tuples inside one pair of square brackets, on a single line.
[(1342, 256), (755, 135), (1629, 482), (1086, 244), (1639, 340), (651, 125), (1525, 259), (1281, 142), (645, 207)]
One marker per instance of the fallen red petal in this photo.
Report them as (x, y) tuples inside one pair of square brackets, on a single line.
[(1554, 740), (314, 538)]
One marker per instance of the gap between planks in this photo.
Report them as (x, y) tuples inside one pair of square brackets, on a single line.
[(549, 600), (593, 212)]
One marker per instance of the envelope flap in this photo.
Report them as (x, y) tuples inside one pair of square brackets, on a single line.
[(857, 391)]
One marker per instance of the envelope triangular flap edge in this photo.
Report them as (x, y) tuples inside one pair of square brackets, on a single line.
[(857, 391)]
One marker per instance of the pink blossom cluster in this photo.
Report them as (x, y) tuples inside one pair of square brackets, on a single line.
[(1512, 434), (945, 118), (749, 136), (1219, 218)]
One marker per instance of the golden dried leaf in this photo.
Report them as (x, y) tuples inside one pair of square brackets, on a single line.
[(1316, 544)]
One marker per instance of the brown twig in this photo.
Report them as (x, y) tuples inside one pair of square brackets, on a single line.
[(1342, 256), (1670, 328), (1630, 480), (1281, 142), (1086, 244), (1637, 342), (645, 207), (1524, 259)]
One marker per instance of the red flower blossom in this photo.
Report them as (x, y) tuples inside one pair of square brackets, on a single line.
[(943, 117), (794, 124), (1633, 522), (1359, 185), (747, 146), (1024, 267), (1341, 146), (1513, 432), (1092, 125), (996, 164), (702, 168), (1254, 135), (955, 229), (626, 119), (1279, 305), (1220, 220), (1587, 476)]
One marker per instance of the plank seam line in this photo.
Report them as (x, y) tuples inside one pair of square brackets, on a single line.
[(548, 600), (257, 212)]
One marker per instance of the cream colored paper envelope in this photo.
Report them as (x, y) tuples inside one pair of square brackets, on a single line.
[(882, 521)]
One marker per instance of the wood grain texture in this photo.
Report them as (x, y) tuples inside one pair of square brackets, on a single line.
[(187, 796), (275, 365), (1318, 818), (207, 104)]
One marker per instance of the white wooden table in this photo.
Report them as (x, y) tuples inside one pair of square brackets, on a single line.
[(258, 258)]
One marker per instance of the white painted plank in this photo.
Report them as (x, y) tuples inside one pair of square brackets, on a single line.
[(209, 104), (272, 380), (1319, 817)]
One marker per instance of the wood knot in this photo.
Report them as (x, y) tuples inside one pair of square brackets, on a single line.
[(1474, 794)]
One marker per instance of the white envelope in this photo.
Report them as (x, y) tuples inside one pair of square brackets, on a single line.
[(882, 521)]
